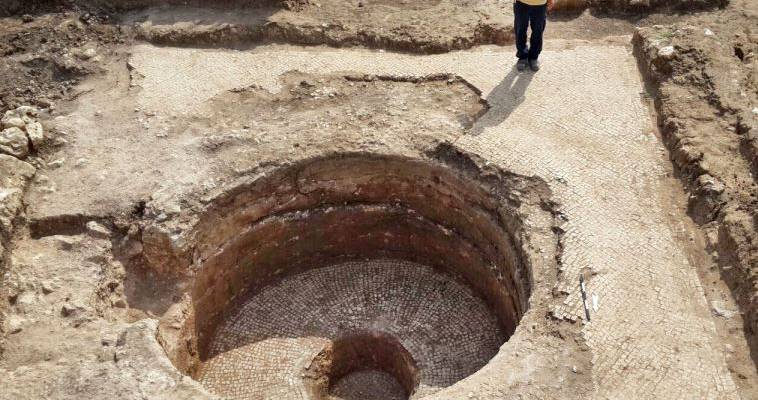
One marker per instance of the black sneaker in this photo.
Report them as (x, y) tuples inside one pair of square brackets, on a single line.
[(521, 64), (534, 65)]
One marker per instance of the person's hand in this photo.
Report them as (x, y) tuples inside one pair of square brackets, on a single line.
[(550, 5)]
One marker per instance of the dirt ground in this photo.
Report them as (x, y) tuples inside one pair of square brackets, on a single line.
[(76, 202), (705, 74)]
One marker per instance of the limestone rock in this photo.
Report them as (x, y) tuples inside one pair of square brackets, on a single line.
[(13, 141), (66, 242), (56, 163), (666, 52), (12, 121), (84, 54), (710, 184), (709, 199), (161, 249), (14, 118), (28, 111), (24, 118), (70, 310), (35, 133), (720, 309), (14, 324), (109, 339), (48, 287), (98, 230), (14, 176)]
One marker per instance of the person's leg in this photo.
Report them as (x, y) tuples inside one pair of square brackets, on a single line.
[(538, 20), (520, 26)]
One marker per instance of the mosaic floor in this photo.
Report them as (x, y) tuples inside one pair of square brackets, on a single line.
[(271, 339)]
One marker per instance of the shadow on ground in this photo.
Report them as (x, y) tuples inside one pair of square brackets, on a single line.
[(504, 99)]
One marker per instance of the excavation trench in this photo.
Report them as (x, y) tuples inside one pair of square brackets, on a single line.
[(352, 274)]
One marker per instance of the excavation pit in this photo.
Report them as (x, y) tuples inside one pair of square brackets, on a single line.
[(355, 277), (371, 364), (386, 324)]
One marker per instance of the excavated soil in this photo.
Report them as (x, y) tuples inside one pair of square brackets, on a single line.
[(355, 200), (704, 73)]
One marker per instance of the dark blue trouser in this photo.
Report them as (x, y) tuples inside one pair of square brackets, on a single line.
[(525, 15)]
